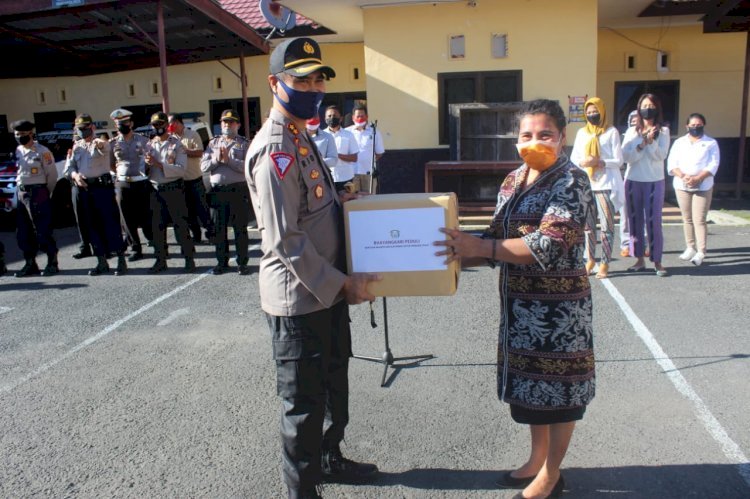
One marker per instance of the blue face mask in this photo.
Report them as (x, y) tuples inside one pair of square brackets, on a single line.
[(84, 133), (228, 132), (301, 104)]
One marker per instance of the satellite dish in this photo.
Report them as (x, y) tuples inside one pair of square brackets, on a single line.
[(277, 15)]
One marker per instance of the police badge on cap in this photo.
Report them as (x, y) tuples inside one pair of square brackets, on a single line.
[(299, 57), (230, 115)]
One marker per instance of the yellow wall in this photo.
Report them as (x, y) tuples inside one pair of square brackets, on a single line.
[(190, 86), (709, 67), (406, 47)]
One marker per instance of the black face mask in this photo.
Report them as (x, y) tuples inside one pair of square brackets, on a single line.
[(696, 131), (647, 113), (124, 129), (594, 119), (23, 139), (159, 131), (84, 133), (333, 122)]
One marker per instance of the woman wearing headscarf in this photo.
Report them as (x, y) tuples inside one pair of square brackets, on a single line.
[(597, 151)]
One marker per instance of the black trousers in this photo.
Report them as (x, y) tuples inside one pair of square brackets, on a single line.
[(198, 214), (230, 205), (135, 204), (83, 229), (312, 371), (101, 217), (168, 202), (34, 222)]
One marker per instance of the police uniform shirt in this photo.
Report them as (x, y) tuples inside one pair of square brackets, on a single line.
[(90, 159), (191, 141), (365, 140), (231, 172), (173, 158), (299, 217), (346, 143), (327, 148), (36, 166), (129, 155)]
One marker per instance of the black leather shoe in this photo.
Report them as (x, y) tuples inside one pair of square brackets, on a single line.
[(122, 266), (85, 253), (135, 257), (338, 469), (31, 268), (244, 270), (508, 481), (159, 266), (219, 269), (50, 270), (189, 265), (101, 268), (557, 490)]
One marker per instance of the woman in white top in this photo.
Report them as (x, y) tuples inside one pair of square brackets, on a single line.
[(694, 161), (644, 148), (597, 152)]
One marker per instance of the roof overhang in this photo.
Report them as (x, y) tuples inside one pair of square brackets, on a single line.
[(82, 37)]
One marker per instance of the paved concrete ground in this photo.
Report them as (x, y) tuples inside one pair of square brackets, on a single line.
[(163, 386)]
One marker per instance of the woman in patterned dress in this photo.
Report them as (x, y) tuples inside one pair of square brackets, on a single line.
[(545, 351)]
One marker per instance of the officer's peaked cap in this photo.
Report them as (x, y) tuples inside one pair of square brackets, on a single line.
[(229, 115), (158, 118), (22, 126), (299, 57), (83, 120), (120, 114)]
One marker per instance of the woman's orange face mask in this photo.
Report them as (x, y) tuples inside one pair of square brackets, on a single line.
[(538, 141)]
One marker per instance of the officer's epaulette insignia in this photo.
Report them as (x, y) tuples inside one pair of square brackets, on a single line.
[(281, 161), (318, 191), (293, 128), (314, 174)]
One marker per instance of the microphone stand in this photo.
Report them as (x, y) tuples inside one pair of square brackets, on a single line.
[(387, 359)]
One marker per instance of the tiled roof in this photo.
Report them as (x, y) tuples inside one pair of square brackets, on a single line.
[(249, 12)]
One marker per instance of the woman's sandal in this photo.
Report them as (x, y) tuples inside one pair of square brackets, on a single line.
[(603, 271)]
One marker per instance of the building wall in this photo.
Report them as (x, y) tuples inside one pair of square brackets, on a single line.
[(709, 67), (407, 46), (191, 86)]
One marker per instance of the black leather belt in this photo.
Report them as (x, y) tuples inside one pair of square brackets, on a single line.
[(31, 187), (103, 181), (168, 186)]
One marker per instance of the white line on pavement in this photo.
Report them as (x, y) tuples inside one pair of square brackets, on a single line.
[(171, 317), (5, 309), (731, 450), (101, 334)]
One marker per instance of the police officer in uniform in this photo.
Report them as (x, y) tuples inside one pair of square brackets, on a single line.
[(167, 161), (224, 159), (195, 191), (88, 165), (303, 284), (128, 160), (35, 182)]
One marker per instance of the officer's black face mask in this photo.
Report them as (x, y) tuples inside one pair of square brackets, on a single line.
[(159, 130), (594, 119), (84, 133), (23, 139), (124, 129), (333, 122)]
